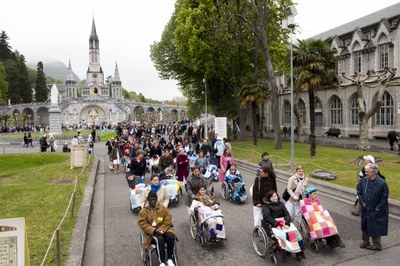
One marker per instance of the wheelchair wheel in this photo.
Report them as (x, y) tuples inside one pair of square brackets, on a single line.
[(175, 254), (193, 226), (260, 241), (274, 260), (144, 253), (301, 226), (224, 190), (314, 246)]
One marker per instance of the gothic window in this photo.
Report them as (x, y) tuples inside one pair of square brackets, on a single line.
[(336, 111), (383, 51), (384, 116), (286, 113), (354, 111), (302, 110), (357, 61)]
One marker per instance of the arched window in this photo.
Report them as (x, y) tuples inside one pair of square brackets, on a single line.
[(357, 57), (302, 110), (336, 111), (384, 116), (354, 111), (286, 113)]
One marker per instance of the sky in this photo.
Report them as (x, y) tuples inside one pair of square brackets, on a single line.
[(59, 30)]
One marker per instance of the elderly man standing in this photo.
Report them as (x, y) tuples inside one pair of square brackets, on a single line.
[(373, 194)]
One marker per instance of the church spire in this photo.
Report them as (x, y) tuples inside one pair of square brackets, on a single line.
[(70, 75), (93, 39), (116, 73)]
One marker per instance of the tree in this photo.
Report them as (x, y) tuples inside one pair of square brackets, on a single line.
[(25, 88), (314, 69), (372, 80), (254, 92), (40, 84), (3, 85), (265, 23), (5, 48)]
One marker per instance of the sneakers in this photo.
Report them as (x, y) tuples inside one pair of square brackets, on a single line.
[(364, 244), (162, 264), (170, 263), (374, 247)]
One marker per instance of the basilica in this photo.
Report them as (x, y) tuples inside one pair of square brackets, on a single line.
[(95, 102)]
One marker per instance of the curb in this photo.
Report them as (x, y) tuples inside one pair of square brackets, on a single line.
[(77, 246), (331, 190)]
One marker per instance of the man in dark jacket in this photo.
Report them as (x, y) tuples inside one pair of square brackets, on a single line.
[(373, 194), (193, 184)]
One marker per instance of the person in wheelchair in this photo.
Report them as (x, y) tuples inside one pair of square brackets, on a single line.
[(235, 182), (156, 222), (276, 223), (206, 209), (314, 213)]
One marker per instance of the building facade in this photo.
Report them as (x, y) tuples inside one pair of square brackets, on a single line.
[(94, 102), (370, 43)]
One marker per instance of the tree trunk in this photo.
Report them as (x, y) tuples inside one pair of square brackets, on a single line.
[(262, 121), (363, 144), (312, 139), (254, 118), (299, 119)]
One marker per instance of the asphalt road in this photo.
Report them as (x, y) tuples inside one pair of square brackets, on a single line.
[(122, 231)]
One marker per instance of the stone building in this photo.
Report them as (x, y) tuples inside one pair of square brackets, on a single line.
[(95, 102), (368, 43)]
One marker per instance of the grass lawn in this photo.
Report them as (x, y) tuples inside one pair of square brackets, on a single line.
[(27, 191), (338, 160)]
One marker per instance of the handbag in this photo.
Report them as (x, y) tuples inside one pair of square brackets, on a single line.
[(285, 195)]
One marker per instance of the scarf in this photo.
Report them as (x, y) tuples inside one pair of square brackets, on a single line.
[(155, 188), (300, 185), (206, 200)]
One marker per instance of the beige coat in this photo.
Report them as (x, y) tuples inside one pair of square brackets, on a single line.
[(151, 219), (292, 185), (162, 196)]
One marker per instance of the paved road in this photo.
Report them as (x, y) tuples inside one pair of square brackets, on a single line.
[(121, 241), (122, 233)]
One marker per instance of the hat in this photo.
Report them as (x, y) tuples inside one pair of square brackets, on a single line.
[(370, 158), (310, 190)]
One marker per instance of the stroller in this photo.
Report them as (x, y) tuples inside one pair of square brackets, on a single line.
[(174, 188), (211, 176), (233, 188)]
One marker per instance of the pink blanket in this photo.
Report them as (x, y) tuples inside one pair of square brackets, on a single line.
[(320, 223)]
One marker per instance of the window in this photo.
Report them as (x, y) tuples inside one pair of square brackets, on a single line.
[(336, 111), (354, 111), (286, 112), (357, 61), (383, 51), (302, 110), (384, 116)]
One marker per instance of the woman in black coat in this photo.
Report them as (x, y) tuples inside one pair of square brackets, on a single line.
[(263, 183), (273, 209)]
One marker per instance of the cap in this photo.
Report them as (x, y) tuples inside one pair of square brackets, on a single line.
[(370, 158), (310, 190)]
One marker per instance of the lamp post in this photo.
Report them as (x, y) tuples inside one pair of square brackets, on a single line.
[(289, 24), (29, 120), (205, 94), (16, 118)]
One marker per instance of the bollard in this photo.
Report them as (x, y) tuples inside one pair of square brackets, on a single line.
[(58, 252), (73, 204)]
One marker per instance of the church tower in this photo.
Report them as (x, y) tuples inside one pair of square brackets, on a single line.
[(94, 76), (71, 90), (116, 88)]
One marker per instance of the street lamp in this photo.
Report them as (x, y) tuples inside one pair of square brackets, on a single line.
[(289, 24), (205, 94), (29, 120), (16, 118)]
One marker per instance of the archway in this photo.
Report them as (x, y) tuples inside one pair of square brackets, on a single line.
[(92, 116)]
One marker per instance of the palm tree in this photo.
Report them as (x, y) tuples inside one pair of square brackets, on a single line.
[(314, 69), (254, 92)]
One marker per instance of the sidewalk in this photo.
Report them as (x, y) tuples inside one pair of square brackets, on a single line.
[(387, 257)]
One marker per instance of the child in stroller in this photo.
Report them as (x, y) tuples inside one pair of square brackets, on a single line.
[(233, 188), (320, 225), (276, 223)]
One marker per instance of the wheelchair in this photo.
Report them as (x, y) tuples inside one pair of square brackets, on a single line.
[(199, 231), (228, 192), (302, 227), (265, 246), (147, 254)]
